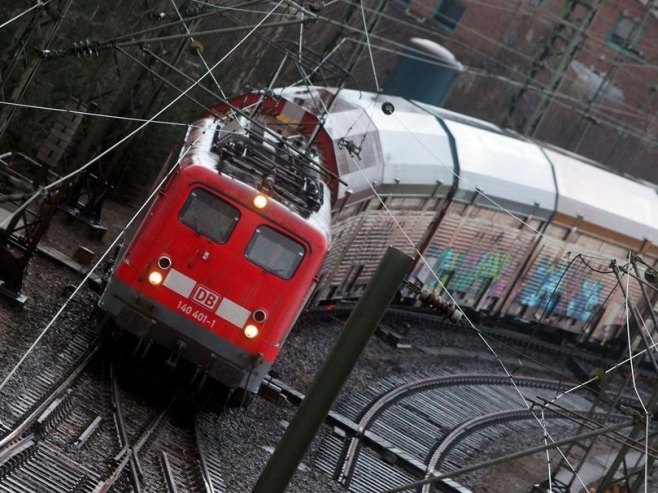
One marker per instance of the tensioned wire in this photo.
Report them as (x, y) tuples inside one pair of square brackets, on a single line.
[(40, 3), (619, 126), (630, 351), (536, 15), (91, 113), (599, 109), (203, 60), (614, 123)]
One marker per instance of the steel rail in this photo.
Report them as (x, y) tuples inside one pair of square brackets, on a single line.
[(510, 457), (469, 427), (31, 418), (387, 400), (128, 454), (127, 451)]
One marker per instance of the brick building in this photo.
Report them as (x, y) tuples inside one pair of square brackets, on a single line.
[(581, 74)]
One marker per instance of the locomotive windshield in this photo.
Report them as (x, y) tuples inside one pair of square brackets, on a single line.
[(274, 252), (209, 215)]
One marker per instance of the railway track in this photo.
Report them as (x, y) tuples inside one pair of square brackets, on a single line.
[(409, 429), (400, 429), (87, 430), (89, 434)]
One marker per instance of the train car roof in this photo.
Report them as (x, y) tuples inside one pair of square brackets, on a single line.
[(410, 152), (509, 171), (407, 152), (603, 198), (418, 145)]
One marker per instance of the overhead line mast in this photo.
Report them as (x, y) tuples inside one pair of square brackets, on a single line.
[(550, 66)]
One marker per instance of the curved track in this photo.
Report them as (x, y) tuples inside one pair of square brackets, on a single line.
[(435, 421)]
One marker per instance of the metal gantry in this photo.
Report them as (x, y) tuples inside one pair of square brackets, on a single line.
[(551, 63)]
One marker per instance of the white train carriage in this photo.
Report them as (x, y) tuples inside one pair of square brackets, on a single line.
[(497, 217)]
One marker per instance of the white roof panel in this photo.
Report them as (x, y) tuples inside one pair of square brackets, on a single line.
[(604, 198), (408, 147), (415, 146), (503, 167)]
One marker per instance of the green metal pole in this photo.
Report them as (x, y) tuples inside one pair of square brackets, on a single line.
[(333, 373)]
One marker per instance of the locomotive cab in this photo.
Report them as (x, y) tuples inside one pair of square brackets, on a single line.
[(218, 271)]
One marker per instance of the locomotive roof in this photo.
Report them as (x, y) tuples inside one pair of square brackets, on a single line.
[(199, 151)]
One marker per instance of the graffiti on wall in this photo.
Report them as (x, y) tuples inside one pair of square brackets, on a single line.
[(486, 275), (544, 290), (467, 273)]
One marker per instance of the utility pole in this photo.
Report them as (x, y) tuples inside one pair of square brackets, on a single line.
[(333, 373)]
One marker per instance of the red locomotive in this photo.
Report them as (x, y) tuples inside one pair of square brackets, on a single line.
[(229, 251)]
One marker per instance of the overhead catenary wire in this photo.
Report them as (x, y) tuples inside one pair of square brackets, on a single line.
[(38, 4), (95, 47), (623, 128), (536, 13), (92, 114), (409, 52), (68, 176), (636, 132), (601, 117), (367, 34), (540, 90), (217, 9), (198, 51), (633, 377)]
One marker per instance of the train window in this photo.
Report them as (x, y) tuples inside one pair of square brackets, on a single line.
[(274, 252), (209, 215)]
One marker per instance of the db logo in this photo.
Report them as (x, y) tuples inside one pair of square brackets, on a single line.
[(206, 298)]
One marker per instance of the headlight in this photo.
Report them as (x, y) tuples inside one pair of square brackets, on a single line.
[(155, 278), (260, 201), (250, 331)]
